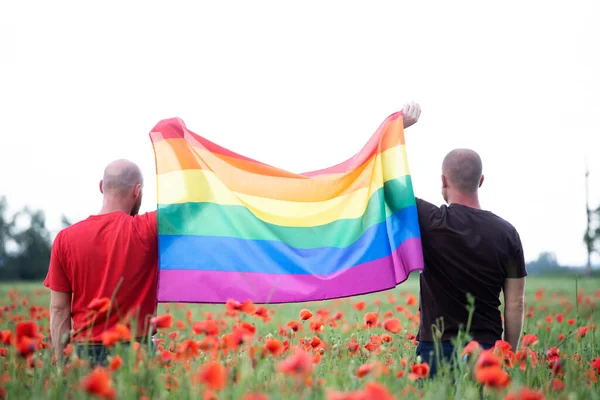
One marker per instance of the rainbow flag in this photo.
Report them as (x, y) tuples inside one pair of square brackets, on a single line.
[(233, 227)]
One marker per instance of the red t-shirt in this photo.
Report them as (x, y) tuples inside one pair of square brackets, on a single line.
[(89, 259)]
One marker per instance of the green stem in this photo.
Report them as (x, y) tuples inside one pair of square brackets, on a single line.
[(112, 299)]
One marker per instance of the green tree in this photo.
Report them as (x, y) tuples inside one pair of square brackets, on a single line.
[(546, 262), (34, 244), (547, 259), (29, 255)]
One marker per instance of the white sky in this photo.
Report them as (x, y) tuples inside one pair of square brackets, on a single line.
[(302, 86)]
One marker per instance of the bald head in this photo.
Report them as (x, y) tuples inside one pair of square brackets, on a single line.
[(120, 177), (463, 170), (121, 186)]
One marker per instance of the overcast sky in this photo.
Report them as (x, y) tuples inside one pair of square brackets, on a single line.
[(302, 85)]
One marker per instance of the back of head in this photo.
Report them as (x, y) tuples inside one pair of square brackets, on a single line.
[(463, 170), (121, 176), (122, 186)]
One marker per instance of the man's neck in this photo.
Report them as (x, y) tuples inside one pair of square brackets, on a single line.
[(471, 201), (111, 206), (110, 211)]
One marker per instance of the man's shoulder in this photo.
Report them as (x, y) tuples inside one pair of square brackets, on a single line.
[(503, 223), (68, 235), (420, 200), (506, 230), (143, 225), (97, 222), (492, 221), (146, 217), (146, 223), (424, 205), (74, 228)]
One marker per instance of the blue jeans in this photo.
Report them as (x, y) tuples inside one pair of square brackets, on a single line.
[(427, 352), (97, 354)]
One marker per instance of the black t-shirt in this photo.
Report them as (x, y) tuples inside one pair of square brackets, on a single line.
[(465, 250)]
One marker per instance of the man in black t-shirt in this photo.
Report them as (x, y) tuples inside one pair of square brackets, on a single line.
[(467, 250)]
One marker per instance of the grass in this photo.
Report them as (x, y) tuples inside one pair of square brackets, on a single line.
[(323, 367)]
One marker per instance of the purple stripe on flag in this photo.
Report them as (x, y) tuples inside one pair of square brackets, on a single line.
[(217, 286)]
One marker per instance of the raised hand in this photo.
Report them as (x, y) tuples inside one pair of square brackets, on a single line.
[(411, 113)]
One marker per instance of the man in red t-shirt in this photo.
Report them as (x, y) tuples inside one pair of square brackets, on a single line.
[(111, 255)]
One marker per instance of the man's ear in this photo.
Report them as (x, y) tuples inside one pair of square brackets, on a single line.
[(481, 180), (100, 186), (137, 191), (444, 182)]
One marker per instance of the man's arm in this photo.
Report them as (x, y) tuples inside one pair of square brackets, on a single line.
[(60, 321), (514, 294), (58, 282)]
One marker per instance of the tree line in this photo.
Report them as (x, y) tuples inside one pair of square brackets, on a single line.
[(26, 243)]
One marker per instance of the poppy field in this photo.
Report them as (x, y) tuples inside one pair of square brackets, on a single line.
[(354, 348)]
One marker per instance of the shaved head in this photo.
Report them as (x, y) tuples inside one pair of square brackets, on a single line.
[(463, 170), (121, 176), (122, 183)]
